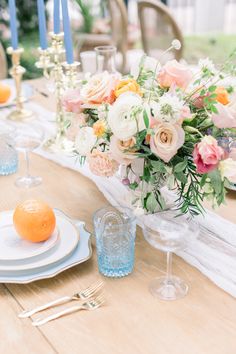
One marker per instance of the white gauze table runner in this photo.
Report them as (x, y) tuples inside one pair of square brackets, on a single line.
[(213, 253)]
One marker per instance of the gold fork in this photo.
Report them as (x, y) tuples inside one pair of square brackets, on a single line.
[(82, 295), (91, 304)]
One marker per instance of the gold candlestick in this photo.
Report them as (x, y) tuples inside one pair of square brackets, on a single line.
[(17, 71), (44, 62)]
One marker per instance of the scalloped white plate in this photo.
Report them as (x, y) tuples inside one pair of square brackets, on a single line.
[(82, 253)]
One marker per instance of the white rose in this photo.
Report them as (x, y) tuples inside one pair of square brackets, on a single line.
[(123, 124), (148, 64), (85, 141), (228, 169)]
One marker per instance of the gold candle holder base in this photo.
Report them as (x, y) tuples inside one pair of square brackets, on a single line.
[(71, 74), (44, 63), (17, 71)]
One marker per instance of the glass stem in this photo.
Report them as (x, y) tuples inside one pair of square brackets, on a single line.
[(169, 266), (27, 163)]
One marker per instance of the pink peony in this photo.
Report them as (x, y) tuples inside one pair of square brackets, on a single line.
[(101, 164), (166, 141), (174, 73), (120, 150), (72, 101), (226, 116), (207, 154)]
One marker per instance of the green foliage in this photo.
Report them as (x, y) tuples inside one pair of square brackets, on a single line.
[(88, 20)]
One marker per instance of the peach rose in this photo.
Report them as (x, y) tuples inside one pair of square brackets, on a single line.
[(166, 141), (99, 89), (226, 116), (71, 101), (127, 85), (207, 154), (101, 164), (174, 73), (122, 151)]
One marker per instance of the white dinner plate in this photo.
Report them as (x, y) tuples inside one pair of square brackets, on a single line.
[(82, 253), (14, 248), (27, 92), (68, 240)]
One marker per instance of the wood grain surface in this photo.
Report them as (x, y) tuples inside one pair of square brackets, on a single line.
[(132, 321)]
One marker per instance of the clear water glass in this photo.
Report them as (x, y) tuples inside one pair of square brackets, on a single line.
[(169, 233), (115, 231), (8, 154), (27, 138)]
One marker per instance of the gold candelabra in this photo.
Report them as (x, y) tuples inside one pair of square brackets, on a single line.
[(17, 71), (63, 76)]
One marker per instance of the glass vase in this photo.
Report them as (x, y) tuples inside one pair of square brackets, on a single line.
[(105, 59)]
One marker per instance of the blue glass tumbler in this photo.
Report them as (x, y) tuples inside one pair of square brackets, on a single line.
[(115, 231), (8, 154)]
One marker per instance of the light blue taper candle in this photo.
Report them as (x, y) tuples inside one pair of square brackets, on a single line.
[(67, 32), (42, 24), (13, 24), (56, 16)]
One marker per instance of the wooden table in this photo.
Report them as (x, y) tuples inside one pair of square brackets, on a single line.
[(132, 321)]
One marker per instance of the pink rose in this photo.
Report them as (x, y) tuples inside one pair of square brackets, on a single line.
[(72, 101), (100, 89), (226, 116), (174, 73), (166, 141), (101, 164), (232, 153), (207, 154), (186, 113), (121, 151)]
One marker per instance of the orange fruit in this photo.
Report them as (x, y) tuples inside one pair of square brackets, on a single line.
[(5, 93), (34, 220)]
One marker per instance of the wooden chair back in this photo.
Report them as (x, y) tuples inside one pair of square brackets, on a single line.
[(3, 63), (158, 28)]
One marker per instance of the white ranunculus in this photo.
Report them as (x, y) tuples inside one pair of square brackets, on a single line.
[(148, 64), (85, 141), (228, 169), (123, 124)]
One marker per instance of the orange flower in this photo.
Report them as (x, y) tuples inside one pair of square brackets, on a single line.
[(222, 95), (99, 128), (127, 85)]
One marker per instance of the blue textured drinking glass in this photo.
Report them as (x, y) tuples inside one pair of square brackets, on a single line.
[(115, 231), (8, 154)]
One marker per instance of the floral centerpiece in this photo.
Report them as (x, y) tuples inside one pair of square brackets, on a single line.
[(163, 125)]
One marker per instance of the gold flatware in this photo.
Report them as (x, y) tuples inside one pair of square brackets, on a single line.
[(82, 295), (89, 305)]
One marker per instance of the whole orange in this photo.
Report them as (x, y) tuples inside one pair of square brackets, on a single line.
[(34, 220), (5, 93)]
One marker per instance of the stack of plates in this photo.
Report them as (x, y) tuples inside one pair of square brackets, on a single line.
[(23, 262)]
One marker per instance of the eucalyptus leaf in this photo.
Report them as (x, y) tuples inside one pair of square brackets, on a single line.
[(151, 203), (146, 119)]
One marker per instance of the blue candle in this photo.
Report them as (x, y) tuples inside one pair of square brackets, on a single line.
[(67, 32), (42, 24), (56, 16), (13, 24)]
